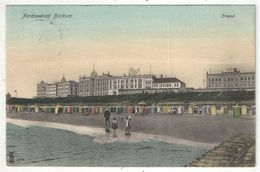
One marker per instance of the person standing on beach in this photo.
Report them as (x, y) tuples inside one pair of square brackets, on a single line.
[(114, 125), (107, 117), (127, 126)]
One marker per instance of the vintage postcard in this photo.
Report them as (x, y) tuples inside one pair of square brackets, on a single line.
[(130, 85)]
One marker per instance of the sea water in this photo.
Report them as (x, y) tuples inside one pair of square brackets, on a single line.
[(40, 146)]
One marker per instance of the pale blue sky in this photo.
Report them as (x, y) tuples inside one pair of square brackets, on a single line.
[(181, 41)]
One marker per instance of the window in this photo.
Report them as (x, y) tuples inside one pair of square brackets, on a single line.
[(248, 78), (209, 79)]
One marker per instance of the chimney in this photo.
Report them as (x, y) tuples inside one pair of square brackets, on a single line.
[(124, 74), (161, 75)]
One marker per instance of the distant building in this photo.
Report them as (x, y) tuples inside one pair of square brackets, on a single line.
[(94, 85), (67, 88), (51, 90), (106, 84), (59, 89), (167, 83), (230, 79), (42, 89), (136, 82)]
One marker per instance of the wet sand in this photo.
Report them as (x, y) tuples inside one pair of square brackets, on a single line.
[(197, 128)]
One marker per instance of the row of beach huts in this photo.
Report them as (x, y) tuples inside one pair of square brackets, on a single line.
[(235, 110)]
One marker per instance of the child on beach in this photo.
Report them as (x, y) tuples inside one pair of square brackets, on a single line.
[(127, 126), (114, 125)]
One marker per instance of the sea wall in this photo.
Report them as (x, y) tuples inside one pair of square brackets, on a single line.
[(239, 151)]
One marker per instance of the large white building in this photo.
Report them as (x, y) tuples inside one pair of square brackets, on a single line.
[(230, 79), (67, 88), (41, 89), (94, 85), (60, 89), (117, 83), (51, 90), (106, 84)]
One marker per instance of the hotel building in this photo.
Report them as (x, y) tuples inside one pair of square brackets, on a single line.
[(231, 79)]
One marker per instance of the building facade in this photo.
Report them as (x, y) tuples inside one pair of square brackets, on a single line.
[(106, 84), (136, 82), (51, 90), (94, 85), (42, 89), (167, 83), (59, 89), (230, 79), (67, 88)]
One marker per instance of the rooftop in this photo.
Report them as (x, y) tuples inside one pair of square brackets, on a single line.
[(166, 80)]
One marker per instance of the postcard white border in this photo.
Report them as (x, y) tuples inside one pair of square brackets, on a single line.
[(3, 5)]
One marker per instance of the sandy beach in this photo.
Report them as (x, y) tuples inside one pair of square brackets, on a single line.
[(196, 128)]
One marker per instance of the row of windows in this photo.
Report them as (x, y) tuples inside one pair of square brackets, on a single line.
[(231, 85), (166, 85), (126, 86), (126, 81), (231, 79)]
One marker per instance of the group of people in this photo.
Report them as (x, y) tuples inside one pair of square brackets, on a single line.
[(115, 123)]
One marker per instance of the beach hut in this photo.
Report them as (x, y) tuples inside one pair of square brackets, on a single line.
[(213, 110), (190, 109), (69, 109), (225, 110), (203, 110), (179, 110), (253, 110), (196, 109), (36, 108), (236, 111), (64, 109), (81, 109), (9, 108), (57, 109), (206, 110), (221, 110), (244, 110)]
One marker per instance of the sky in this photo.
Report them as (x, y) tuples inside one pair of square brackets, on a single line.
[(177, 41)]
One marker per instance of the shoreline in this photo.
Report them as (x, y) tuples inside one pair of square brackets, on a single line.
[(99, 135), (194, 128)]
